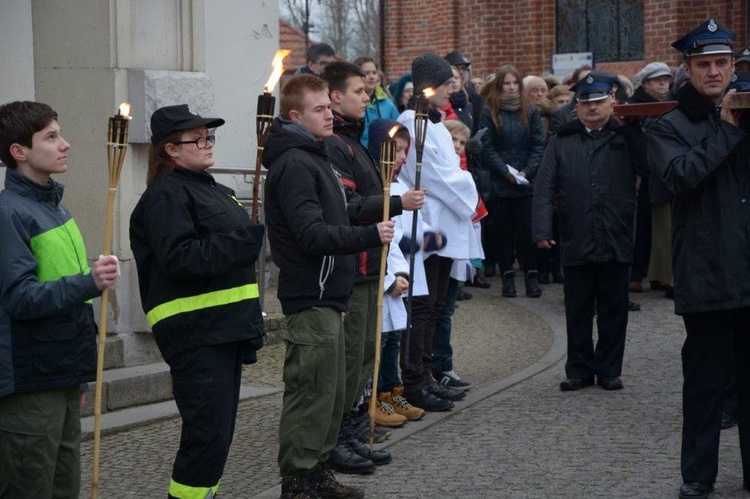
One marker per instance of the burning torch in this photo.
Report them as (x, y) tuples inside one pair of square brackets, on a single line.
[(264, 117), (387, 166), (421, 111), (117, 144)]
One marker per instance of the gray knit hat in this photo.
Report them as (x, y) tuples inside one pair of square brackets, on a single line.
[(430, 70)]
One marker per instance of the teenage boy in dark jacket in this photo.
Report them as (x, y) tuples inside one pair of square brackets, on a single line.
[(313, 245), (47, 329), (361, 179)]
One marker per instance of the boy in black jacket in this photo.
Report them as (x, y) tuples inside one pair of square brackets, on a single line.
[(313, 246), (364, 188)]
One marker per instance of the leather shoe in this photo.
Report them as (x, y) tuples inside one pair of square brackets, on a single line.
[(696, 490), (614, 383), (573, 384), (633, 306), (442, 391), (344, 460), (379, 457), (427, 401)]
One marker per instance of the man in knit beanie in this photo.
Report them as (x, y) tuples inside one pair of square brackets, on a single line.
[(430, 70), (450, 203)]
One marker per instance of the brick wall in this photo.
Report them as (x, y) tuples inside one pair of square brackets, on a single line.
[(522, 32)]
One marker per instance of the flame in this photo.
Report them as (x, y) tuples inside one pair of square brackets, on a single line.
[(393, 131), (428, 92), (278, 68), (124, 110)]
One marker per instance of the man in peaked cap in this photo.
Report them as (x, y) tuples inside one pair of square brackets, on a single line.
[(590, 166), (703, 158)]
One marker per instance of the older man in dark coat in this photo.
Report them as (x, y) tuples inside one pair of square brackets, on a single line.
[(591, 166)]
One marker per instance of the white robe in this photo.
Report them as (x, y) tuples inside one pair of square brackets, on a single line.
[(451, 198)]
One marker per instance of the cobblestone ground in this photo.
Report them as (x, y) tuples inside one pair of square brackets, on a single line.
[(532, 440), (529, 440), (492, 339)]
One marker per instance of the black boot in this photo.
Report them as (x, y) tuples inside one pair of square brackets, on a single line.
[(533, 289), (509, 284), (344, 460), (379, 457)]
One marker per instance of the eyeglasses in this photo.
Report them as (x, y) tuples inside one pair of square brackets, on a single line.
[(201, 143)]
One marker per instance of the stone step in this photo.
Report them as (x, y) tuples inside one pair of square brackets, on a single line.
[(131, 417), (131, 386)]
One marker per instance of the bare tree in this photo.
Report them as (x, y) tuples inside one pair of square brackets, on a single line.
[(336, 26), (366, 14), (351, 27)]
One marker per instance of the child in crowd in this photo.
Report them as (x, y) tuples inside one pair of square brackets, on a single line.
[(390, 387)]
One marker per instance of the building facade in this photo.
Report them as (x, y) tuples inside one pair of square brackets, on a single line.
[(623, 34)]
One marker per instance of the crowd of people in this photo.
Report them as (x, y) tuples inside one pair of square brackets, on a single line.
[(510, 172)]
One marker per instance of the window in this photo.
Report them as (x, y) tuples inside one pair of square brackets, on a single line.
[(611, 29)]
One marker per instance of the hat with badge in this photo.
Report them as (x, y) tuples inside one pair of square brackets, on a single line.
[(707, 39), (740, 81), (168, 119), (597, 85), (742, 55)]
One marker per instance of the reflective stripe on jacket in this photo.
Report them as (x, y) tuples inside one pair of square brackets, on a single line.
[(195, 251)]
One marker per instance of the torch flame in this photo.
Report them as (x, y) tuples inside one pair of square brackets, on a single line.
[(278, 68), (125, 110), (428, 92), (393, 131)]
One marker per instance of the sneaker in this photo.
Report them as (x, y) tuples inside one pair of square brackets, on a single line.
[(327, 485), (444, 392), (386, 416), (402, 406), (451, 380), (300, 486)]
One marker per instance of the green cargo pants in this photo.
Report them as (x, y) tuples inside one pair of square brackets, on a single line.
[(314, 380), (359, 339), (40, 437)]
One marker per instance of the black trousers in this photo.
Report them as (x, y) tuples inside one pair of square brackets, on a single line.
[(425, 309), (604, 285), (509, 234), (707, 364), (206, 387)]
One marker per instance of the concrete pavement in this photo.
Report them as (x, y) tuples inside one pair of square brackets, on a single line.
[(516, 434)]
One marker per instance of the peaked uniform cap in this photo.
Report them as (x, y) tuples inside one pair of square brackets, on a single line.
[(597, 85), (742, 55), (740, 80), (708, 38)]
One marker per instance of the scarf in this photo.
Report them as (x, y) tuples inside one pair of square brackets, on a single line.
[(510, 102)]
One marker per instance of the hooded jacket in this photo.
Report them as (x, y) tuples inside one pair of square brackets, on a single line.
[(360, 176), (195, 250), (311, 240), (704, 162), (47, 329), (380, 107), (594, 179)]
